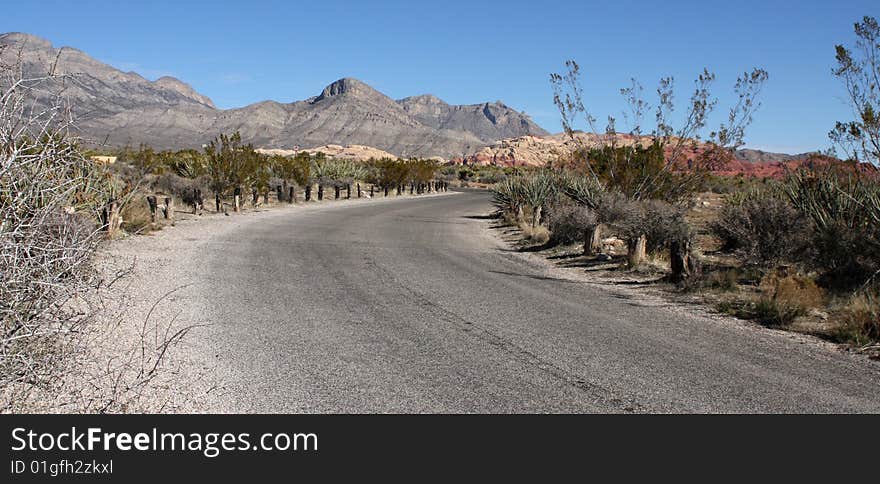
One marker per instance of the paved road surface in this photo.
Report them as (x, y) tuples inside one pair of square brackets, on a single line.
[(411, 306)]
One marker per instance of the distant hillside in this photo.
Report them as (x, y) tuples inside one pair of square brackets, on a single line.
[(123, 108), (536, 151)]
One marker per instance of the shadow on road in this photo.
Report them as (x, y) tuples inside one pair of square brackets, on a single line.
[(531, 276)]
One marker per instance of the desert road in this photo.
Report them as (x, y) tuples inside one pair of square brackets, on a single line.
[(412, 305)]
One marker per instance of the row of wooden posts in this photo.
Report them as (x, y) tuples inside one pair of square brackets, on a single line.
[(285, 192)]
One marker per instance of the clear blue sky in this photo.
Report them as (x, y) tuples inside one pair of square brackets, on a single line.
[(470, 52)]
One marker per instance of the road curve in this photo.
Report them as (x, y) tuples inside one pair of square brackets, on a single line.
[(410, 305)]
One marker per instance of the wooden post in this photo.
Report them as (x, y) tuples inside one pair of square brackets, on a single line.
[(256, 196), (348, 191), (236, 199), (411, 187), (169, 209), (683, 264), (336, 192), (371, 191), (593, 240), (359, 190), (637, 250), (536, 216), (291, 195), (199, 203), (320, 192), (266, 197), (386, 190), (308, 192), (151, 201), (217, 201), (279, 193), (110, 218)]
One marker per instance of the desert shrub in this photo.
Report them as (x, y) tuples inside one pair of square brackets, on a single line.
[(784, 298), (764, 310), (136, 216), (723, 280), (616, 209), (491, 178), (661, 223), (773, 313), (179, 187), (538, 234), (843, 207), (860, 319), (568, 223), (50, 197), (793, 290), (762, 228)]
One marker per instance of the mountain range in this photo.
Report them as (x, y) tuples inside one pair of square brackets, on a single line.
[(116, 108)]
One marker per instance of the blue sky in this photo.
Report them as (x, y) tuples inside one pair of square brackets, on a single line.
[(470, 52)]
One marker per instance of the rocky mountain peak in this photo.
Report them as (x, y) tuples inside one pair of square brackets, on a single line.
[(348, 86), (423, 99), (28, 40), (184, 89)]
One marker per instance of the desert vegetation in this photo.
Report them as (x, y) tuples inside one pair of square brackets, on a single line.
[(238, 175), (800, 248), (59, 347)]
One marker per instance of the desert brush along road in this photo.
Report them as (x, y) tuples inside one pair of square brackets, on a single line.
[(415, 305)]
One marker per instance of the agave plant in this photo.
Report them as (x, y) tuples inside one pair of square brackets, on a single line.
[(539, 190), (845, 211), (586, 191), (336, 171), (507, 195), (829, 199)]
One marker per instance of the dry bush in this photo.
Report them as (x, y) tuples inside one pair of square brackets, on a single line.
[(860, 319), (762, 229), (793, 290), (136, 217), (764, 310), (570, 223), (538, 234), (723, 280), (51, 197)]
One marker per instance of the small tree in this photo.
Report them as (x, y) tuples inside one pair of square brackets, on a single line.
[(859, 71), (231, 165)]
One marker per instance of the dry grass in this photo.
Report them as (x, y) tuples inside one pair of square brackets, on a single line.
[(793, 290), (538, 235), (136, 217), (859, 320)]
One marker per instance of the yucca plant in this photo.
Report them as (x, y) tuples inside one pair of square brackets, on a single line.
[(510, 196), (828, 198), (539, 190), (844, 209), (583, 190)]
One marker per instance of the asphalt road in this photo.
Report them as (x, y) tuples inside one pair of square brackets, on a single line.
[(412, 305)]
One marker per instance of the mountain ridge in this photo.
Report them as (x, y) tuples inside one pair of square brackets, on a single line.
[(124, 108)]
